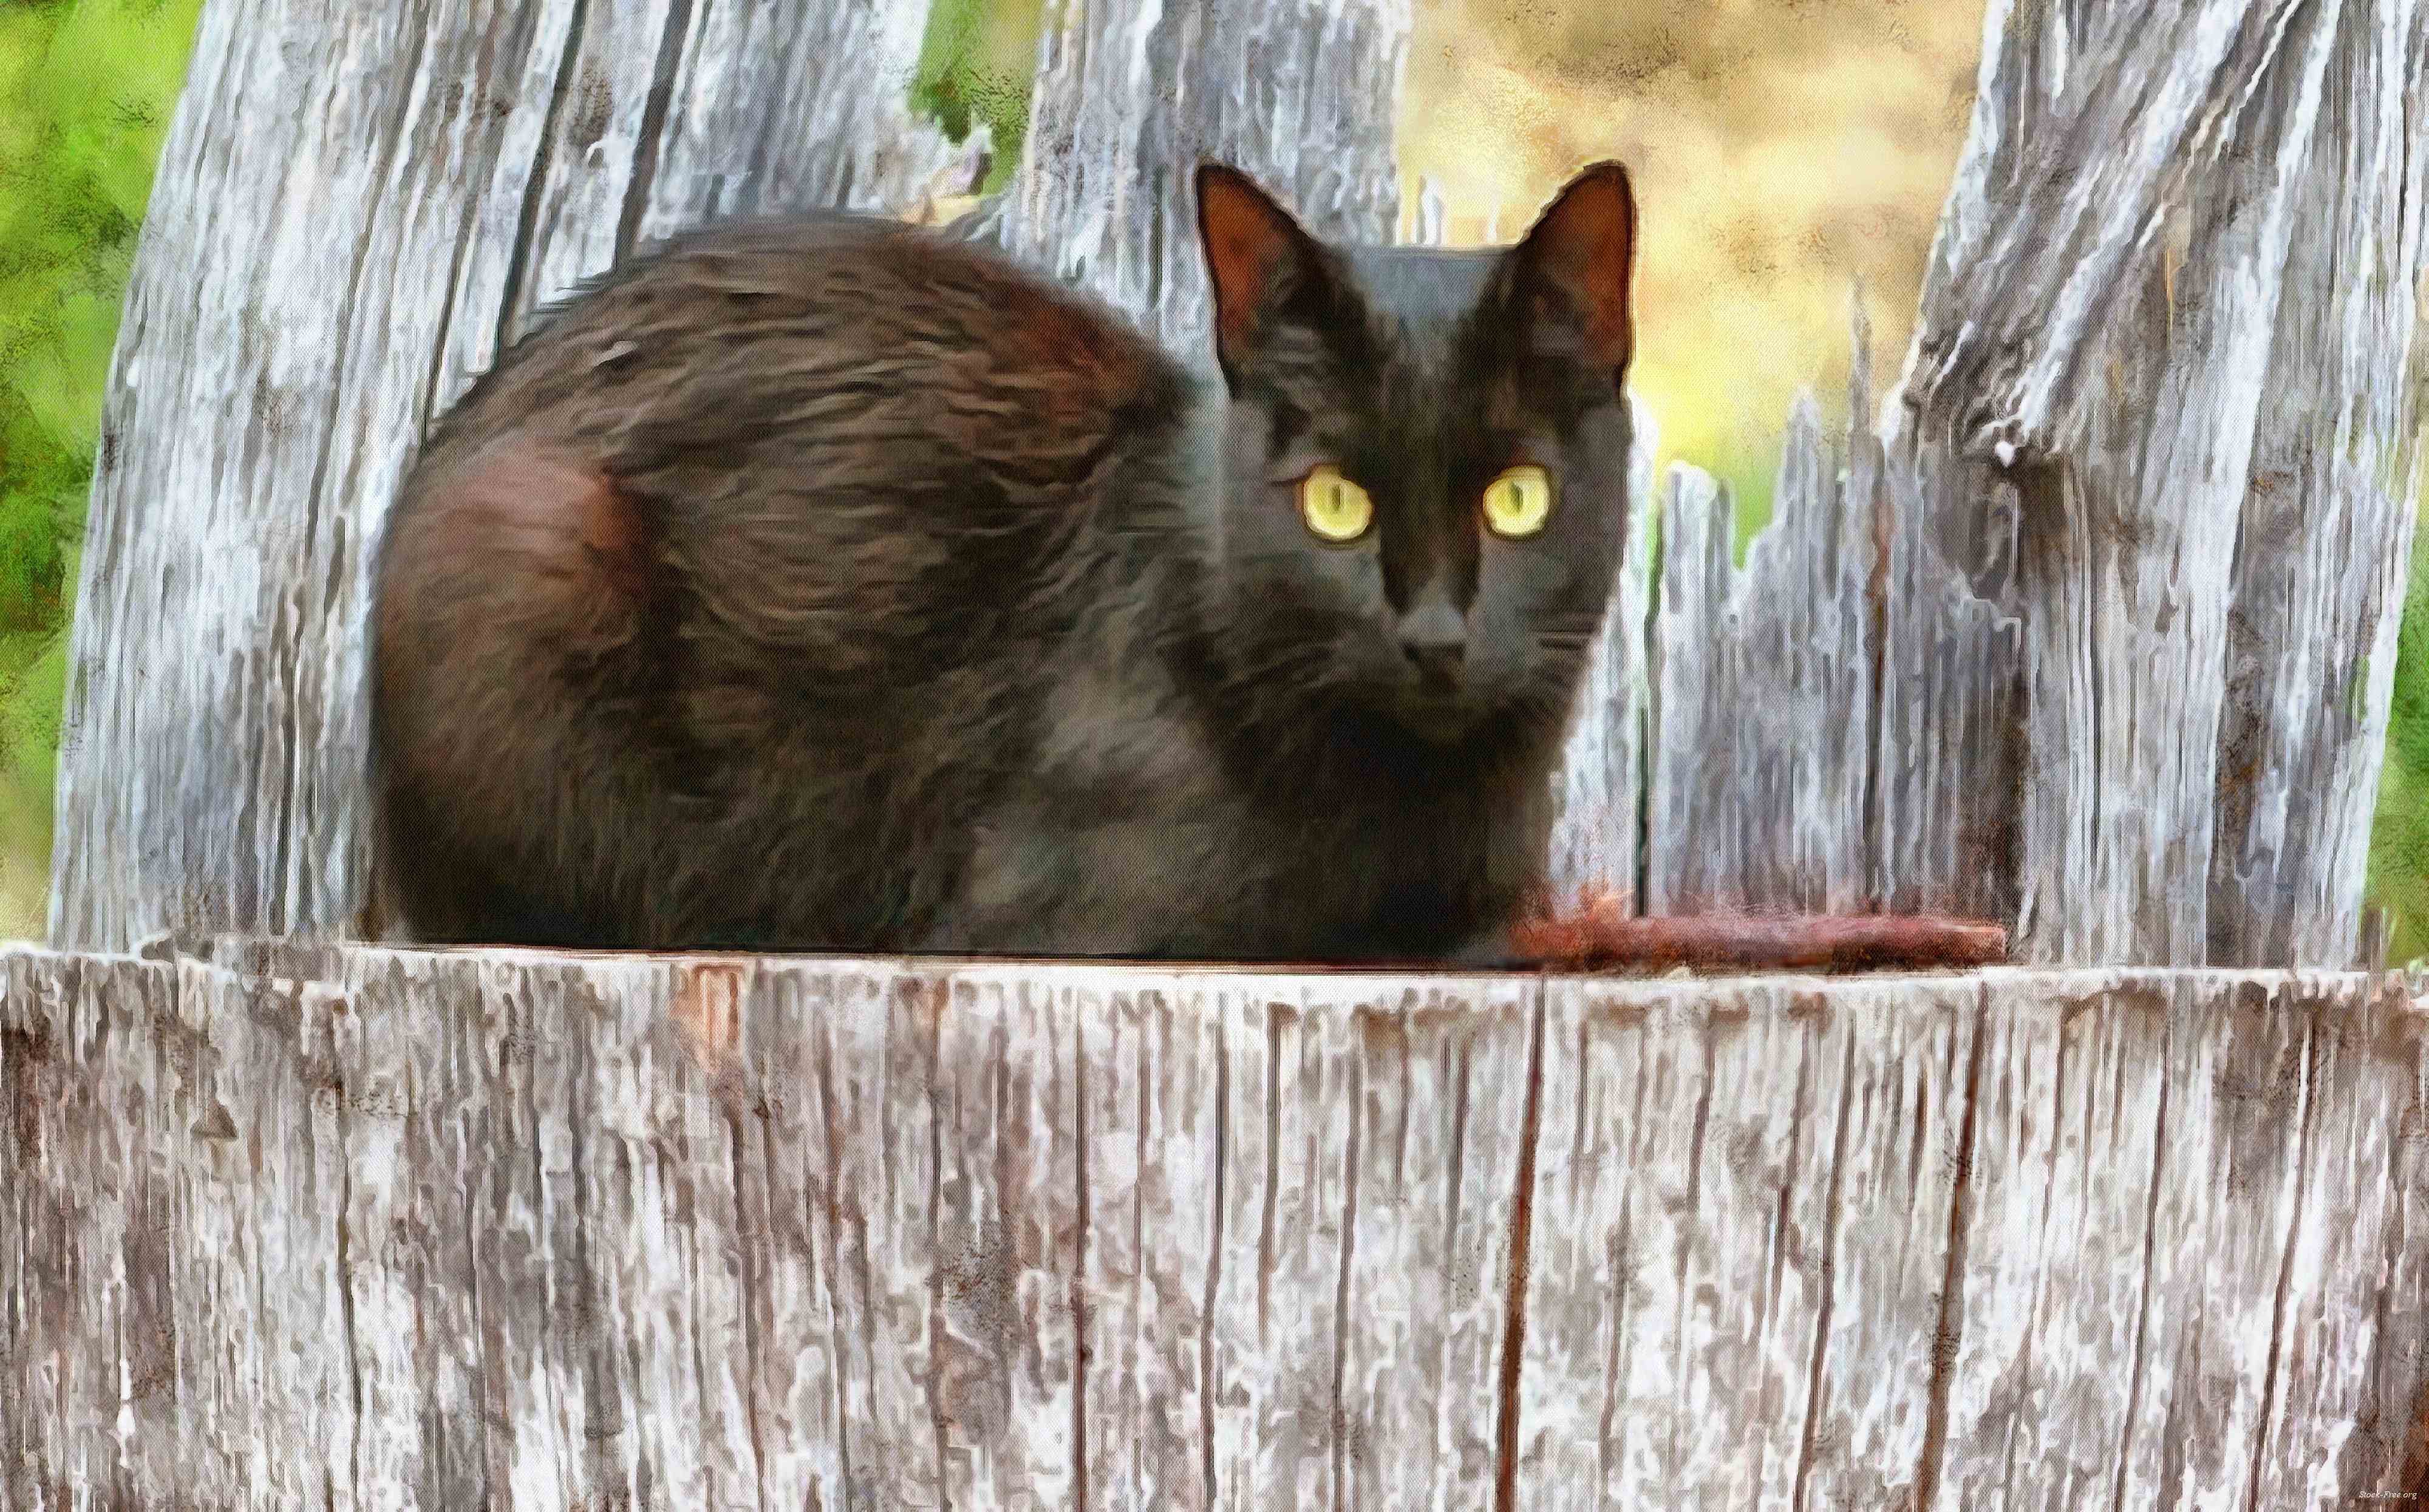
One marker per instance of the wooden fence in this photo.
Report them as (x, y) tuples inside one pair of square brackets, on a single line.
[(2092, 631), (2089, 623), (361, 1227)]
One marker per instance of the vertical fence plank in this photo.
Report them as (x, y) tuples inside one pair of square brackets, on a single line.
[(1948, 767), (2326, 524), (1691, 843), (1598, 793), (1131, 93), (2145, 205), (1764, 698)]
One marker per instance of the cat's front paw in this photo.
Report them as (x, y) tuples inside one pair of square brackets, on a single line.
[(1490, 950)]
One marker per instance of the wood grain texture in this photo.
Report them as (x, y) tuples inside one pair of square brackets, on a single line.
[(1598, 793), (1762, 694), (2092, 632), (360, 1227), (2170, 339), (354, 206), (1831, 727), (1301, 94), (2336, 469), (1949, 766)]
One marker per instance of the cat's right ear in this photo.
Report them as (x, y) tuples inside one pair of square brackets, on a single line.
[(1262, 263), (1573, 270)]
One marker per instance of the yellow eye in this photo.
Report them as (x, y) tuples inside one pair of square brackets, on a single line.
[(1517, 503), (1335, 508)]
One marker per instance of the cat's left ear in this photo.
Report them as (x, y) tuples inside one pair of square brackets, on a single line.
[(1263, 264), (1573, 270)]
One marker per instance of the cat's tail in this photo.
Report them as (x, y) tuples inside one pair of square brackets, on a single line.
[(1602, 932)]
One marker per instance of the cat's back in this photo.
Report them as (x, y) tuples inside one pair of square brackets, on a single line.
[(833, 433), (764, 326), (761, 548)]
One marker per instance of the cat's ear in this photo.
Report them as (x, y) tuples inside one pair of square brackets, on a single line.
[(1262, 263), (1574, 268)]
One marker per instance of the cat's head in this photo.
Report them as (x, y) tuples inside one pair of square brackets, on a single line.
[(1426, 456)]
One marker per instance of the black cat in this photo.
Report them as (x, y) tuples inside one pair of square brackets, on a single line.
[(833, 584)]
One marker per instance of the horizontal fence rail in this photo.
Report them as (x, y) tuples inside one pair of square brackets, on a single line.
[(357, 1227)]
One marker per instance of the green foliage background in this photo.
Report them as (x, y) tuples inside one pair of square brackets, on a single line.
[(2399, 840), (86, 90), (86, 87), (976, 63)]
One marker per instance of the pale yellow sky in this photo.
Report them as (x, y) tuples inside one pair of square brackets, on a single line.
[(1780, 149)]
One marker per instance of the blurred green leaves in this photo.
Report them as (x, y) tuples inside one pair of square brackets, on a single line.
[(2398, 837), (86, 87), (976, 64)]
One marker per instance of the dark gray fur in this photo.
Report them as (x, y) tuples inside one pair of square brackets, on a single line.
[(830, 584)]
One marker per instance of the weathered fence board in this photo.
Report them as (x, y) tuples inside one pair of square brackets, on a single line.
[(1831, 726), (448, 1230), (1598, 794), (1946, 776), (2334, 479), (1130, 95), (2096, 633), (1762, 695), (2162, 217)]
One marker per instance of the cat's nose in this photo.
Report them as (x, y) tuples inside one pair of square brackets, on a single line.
[(1435, 640), (1436, 663)]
